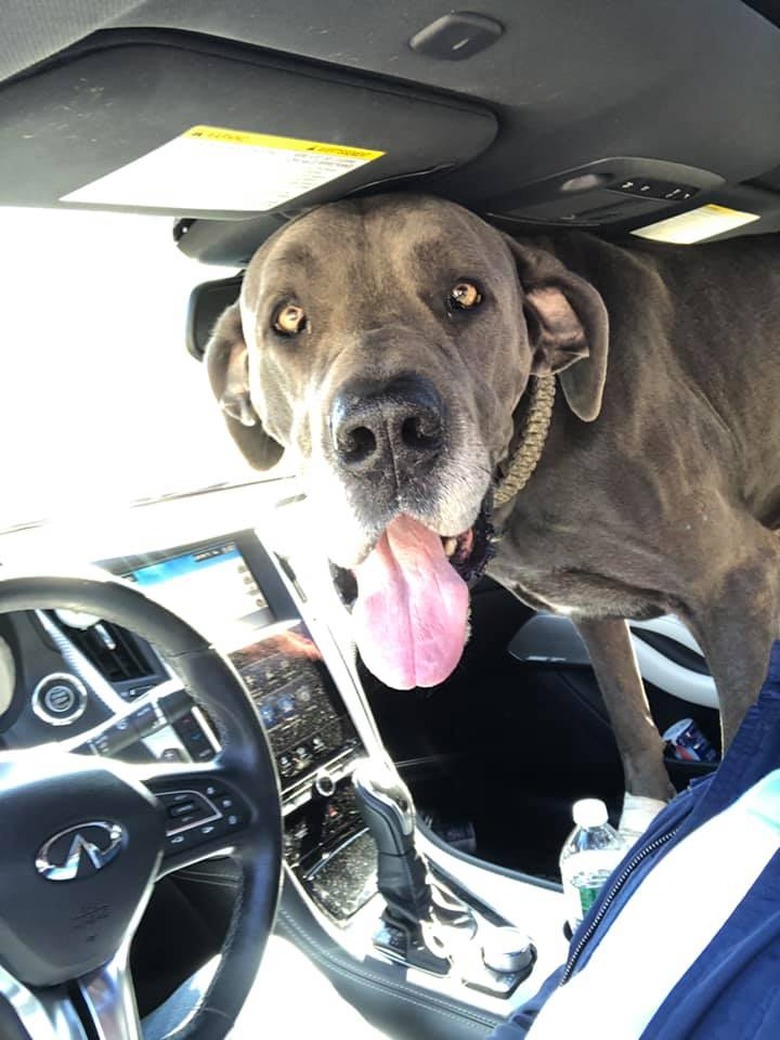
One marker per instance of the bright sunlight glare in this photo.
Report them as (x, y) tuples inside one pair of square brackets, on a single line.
[(100, 403)]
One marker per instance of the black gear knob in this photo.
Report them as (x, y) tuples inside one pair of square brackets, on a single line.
[(386, 805), (402, 876)]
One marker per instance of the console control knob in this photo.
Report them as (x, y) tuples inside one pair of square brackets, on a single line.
[(508, 951), (324, 785)]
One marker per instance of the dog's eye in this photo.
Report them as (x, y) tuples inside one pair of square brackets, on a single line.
[(290, 319), (464, 296)]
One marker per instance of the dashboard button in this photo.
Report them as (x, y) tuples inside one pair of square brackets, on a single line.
[(59, 699), (301, 755), (286, 767)]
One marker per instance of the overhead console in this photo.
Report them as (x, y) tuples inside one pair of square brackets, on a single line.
[(232, 123)]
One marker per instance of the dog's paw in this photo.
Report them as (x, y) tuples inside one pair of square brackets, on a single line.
[(638, 813)]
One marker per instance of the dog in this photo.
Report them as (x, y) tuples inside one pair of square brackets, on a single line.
[(596, 425)]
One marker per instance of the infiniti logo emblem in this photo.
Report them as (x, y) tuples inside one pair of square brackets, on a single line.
[(80, 851)]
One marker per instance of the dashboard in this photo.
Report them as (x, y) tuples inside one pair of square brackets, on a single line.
[(62, 673), (239, 564)]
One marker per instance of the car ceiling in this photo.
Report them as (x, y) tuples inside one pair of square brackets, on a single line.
[(568, 103)]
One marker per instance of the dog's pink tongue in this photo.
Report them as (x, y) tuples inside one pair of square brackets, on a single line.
[(412, 608)]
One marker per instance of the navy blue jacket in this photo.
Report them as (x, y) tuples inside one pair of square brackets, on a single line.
[(732, 991)]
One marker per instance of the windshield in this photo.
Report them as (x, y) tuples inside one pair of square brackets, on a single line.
[(100, 403)]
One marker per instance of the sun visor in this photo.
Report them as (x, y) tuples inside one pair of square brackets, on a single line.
[(203, 129)]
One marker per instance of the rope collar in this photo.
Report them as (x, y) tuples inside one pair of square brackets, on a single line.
[(533, 434)]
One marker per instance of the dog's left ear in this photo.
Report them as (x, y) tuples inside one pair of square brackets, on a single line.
[(226, 361), (568, 327)]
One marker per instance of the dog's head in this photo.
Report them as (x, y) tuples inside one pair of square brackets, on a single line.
[(385, 345)]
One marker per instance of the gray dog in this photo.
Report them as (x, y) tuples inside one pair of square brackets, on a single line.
[(406, 354)]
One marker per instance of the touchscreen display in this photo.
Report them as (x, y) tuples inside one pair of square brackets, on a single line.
[(213, 589)]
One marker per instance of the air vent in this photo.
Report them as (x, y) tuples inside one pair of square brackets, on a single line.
[(112, 650)]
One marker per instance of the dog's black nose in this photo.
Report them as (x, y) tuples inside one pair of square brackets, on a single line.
[(400, 423)]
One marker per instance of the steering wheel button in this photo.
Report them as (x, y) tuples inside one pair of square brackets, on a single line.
[(187, 724), (179, 842), (146, 719), (189, 820), (182, 809)]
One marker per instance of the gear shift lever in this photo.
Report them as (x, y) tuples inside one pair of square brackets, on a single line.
[(388, 810), (423, 919)]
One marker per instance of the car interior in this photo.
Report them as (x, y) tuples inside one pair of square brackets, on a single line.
[(195, 678)]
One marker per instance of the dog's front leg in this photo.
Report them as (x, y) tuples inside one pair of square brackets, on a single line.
[(737, 625), (641, 748)]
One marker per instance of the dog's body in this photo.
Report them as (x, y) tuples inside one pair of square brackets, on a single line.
[(389, 344)]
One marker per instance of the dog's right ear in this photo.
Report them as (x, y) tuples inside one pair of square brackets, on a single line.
[(227, 359)]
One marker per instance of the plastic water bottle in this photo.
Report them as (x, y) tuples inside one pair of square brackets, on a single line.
[(592, 851)]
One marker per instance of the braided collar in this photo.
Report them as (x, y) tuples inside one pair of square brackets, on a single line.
[(533, 435)]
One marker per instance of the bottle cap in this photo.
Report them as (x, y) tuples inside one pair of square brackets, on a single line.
[(590, 812)]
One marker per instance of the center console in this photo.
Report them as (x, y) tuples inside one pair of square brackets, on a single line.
[(234, 593), (467, 951)]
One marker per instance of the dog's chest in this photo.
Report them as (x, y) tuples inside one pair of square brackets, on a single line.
[(551, 572)]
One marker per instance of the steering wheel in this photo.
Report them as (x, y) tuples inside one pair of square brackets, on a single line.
[(85, 839)]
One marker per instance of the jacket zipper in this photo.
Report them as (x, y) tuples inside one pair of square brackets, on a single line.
[(643, 853)]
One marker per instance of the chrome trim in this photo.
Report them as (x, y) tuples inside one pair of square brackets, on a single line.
[(7, 676), (84, 668), (81, 849), (64, 679), (109, 998), (46, 1015)]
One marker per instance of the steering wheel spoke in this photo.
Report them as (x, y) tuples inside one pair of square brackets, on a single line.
[(105, 1008), (47, 1014), (108, 1001), (206, 814)]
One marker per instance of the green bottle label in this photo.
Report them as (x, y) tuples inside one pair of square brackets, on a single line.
[(588, 896)]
